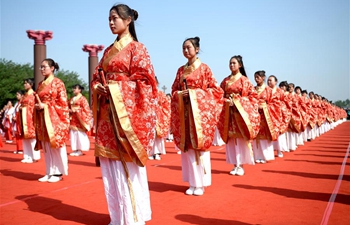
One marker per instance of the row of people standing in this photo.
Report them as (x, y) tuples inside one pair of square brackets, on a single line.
[(125, 101), (125, 109), (56, 119), (250, 122), (42, 119)]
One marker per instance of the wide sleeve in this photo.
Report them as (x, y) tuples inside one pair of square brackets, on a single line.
[(206, 105), (59, 111), (84, 113), (163, 115), (175, 118), (135, 99), (249, 104)]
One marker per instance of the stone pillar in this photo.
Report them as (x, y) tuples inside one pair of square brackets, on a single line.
[(93, 60), (39, 37)]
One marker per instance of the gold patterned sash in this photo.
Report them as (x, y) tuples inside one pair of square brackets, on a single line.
[(236, 112), (45, 114), (273, 135), (196, 131), (23, 116), (76, 108)]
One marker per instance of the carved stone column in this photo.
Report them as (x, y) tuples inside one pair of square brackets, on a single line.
[(39, 37), (93, 60)]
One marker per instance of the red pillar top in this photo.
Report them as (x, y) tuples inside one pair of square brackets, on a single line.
[(93, 49), (39, 36)]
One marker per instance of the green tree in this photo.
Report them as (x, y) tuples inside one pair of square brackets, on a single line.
[(343, 104), (12, 76), (70, 79), (11, 79)]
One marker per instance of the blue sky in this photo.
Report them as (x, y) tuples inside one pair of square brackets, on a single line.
[(302, 41)]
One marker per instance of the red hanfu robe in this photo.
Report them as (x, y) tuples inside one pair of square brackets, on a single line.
[(303, 112), (25, 119), (329, 112), (311, 112), (7, 123), (318, 109), (270, 114), (292, 103), (315, 109), (81, 115), (286, 114), (242, 120), (194, 119), (163, 115), (131, 105), (323, 111), (52, 122)]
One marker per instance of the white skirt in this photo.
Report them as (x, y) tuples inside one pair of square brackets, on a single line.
[(79, 140), (263, 149), (281, 143), (305, 134), (28, 149), (158, 147), (118, 194), (322, 129), (291, 141), (313, 132), (239, 152), (197, 174), (56, 159), (317, 131), (217, 141), (300, 140)]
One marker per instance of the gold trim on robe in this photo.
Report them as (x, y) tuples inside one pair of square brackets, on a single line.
[(239, 117), (75, 108), (195, 119), (130, 143)]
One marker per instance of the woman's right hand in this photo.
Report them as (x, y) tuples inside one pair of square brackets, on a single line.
[(185, 93), (102, 90), (230, 101)]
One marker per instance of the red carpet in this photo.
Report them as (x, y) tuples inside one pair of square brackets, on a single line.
[(296, 189)]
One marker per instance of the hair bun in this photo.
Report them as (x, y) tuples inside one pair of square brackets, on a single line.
[(198, 39), (135, 14)]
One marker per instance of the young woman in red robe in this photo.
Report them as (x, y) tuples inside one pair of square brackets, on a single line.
[(314, 115), (311, 115), (15, 117), (51, 118), (25, 123), (295, 123), (80, 122), (195, 107), (239, 120), (270, 114), (124, 105), (281, 143), (7, 122), (323, 114), (304, 115)]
